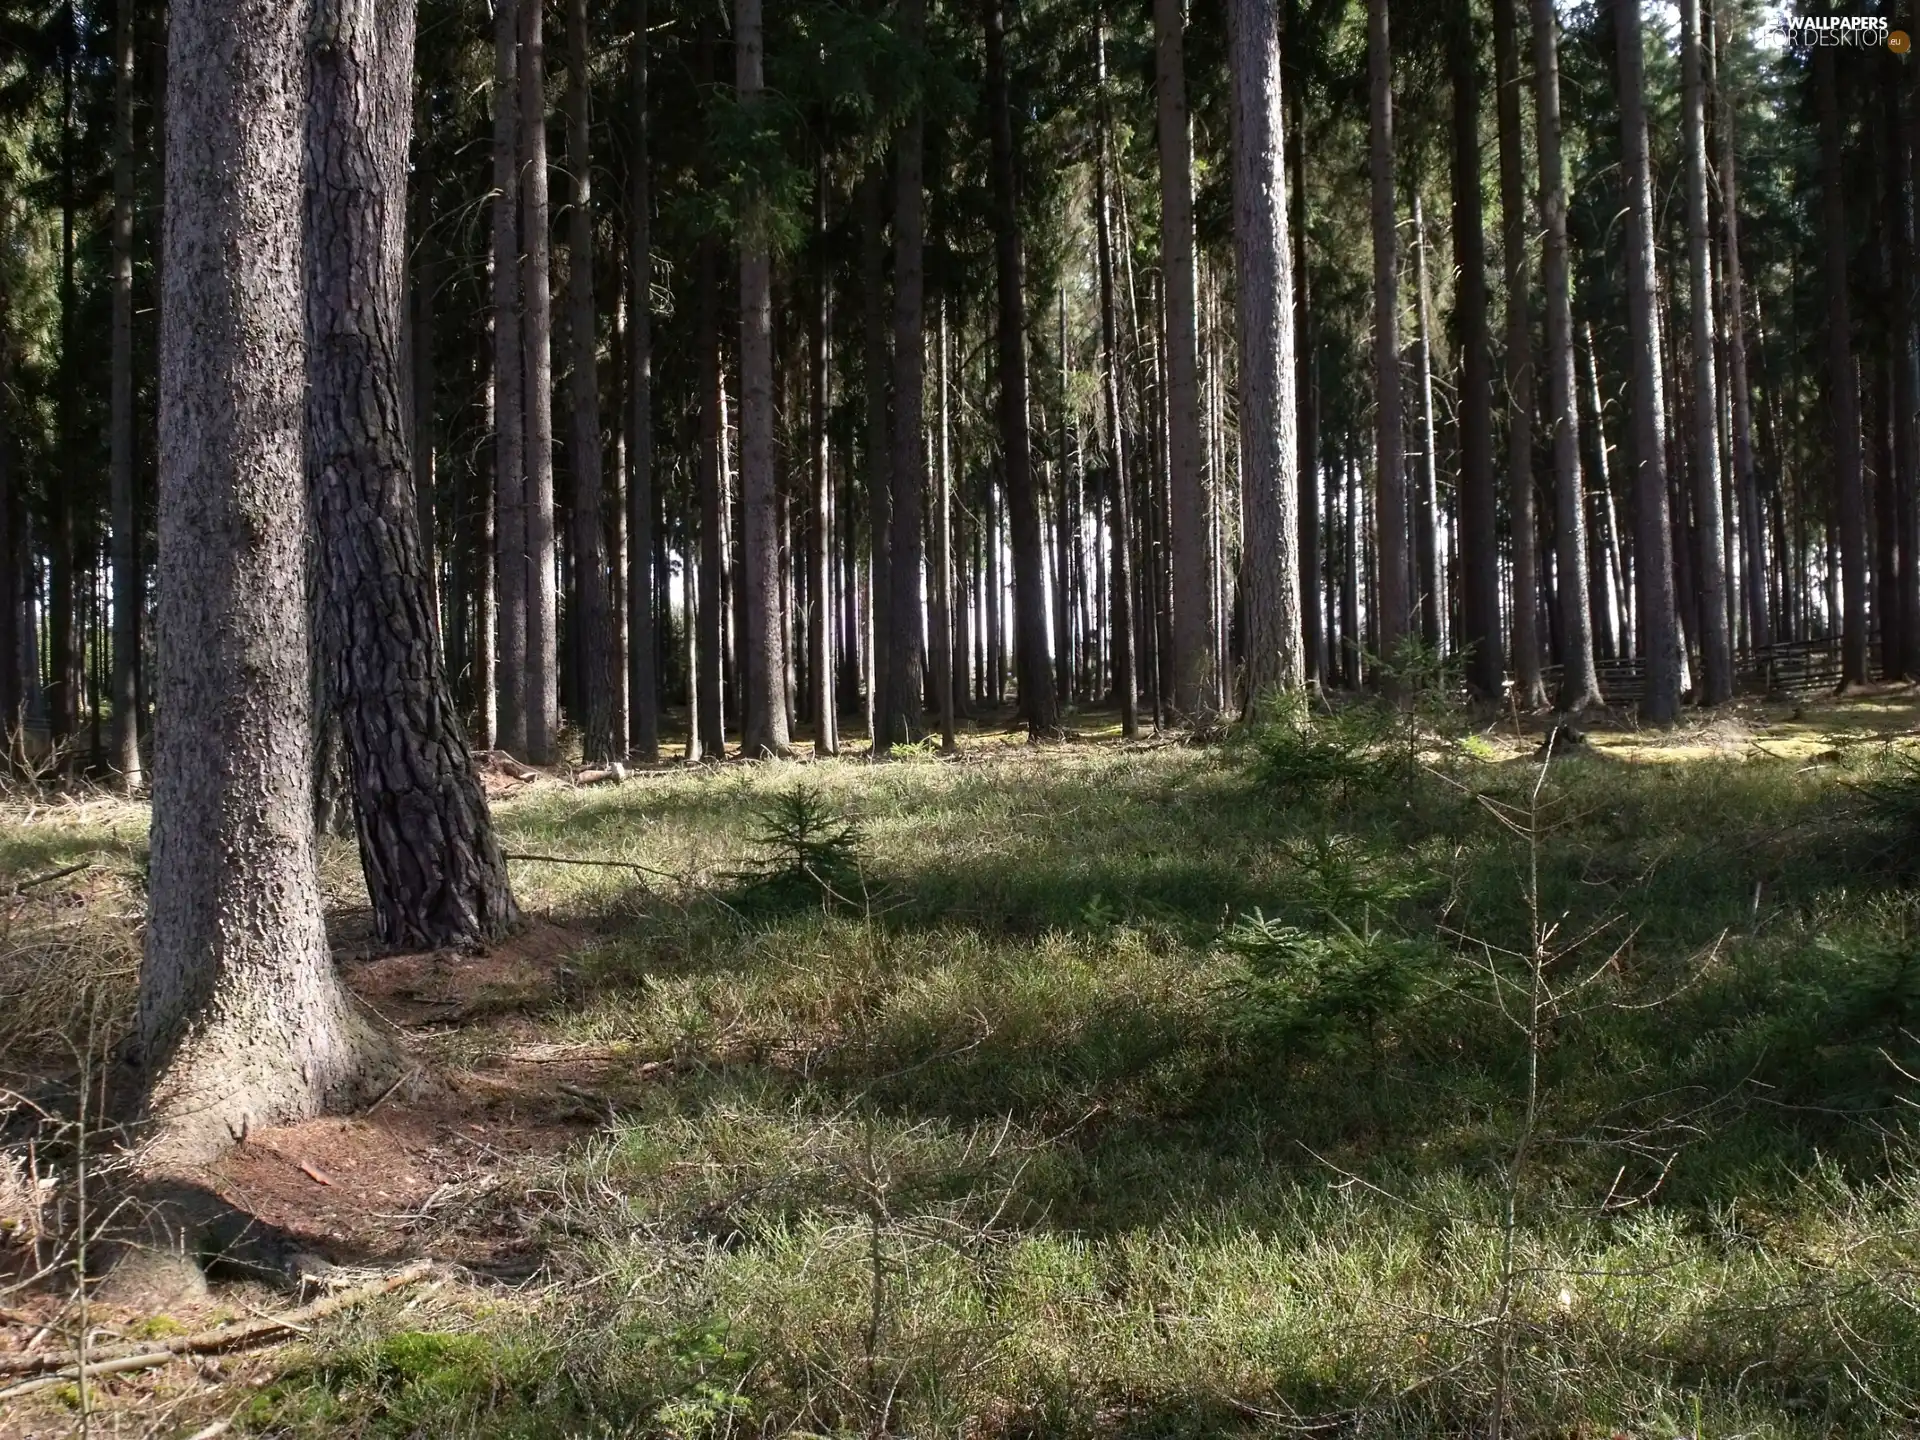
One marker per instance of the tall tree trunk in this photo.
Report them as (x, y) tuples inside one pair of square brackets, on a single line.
[(536, 282), (1479, 544), (1579, 684), (1659, 635), (434, 872), (1269, 447), (1306, 402), (127, 587), (1530, 688), (764, 715), (1029, 564), (708, 736), (1901, 319), (879, 444), (643, 683), (1842, 385), (1426, 522), (13, 562), (1390, 503), (242, 1022), (509, 384), (1716, 647), (1752, 522), (905, 688), (941, 584), (1195, 665), (593, 626), (1120, 508), (820, 614)]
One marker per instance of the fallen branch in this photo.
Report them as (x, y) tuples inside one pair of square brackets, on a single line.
[(22, 886), (144, 1355), (581, 860)]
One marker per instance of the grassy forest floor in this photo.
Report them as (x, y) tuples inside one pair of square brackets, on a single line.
[(1357, 1079)]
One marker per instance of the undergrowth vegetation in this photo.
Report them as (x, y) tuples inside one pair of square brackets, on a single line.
[(1370, 1076)]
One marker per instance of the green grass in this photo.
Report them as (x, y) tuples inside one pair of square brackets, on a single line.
[(1017, 1145)]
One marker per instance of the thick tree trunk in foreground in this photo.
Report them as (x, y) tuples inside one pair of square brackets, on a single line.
[(1196, 680), (764, 722), (1579, 684), (127, 600), (1842, 387), (643, 683), (903, 714), (1029, 573), (1654, 564), (1263, 289), (434, 872), (593, 625), (1390, 502), (1530, 691), (1479, 545), (1716, 645), (509, 387), (242, 1020), (536, 340)]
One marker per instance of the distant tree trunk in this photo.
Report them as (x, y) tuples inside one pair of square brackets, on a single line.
[(709, 733), (1479, 543), (536, 282), (1029, 565), (1195, 665), (434, 872), (764, 714), (593, 626), (1120, 509), (1842, 386), (242, 1021), (1530, 688), (1307, 403), (1716, 646), (1579, 684), (1426, 525), (905, 690), (509, 385), (1752, 521), (879, 443), (1660, 703), (13, 566), (941, 585), (127, 587), (1389, 436), (643, 684), (1269, 447), (820, 616), (1901, 319)]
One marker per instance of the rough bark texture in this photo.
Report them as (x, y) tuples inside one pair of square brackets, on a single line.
[(593, 625), (509, 387), (1029, 565), (1195, 665), (905, 714), (127, 599), (642, 679), (1660, 702), (242, 1022), (433, 869), (1263, 290), (1529, 689), (1479, 637), (764, 727), (1390, 499), (1906, 375), (536, 341), (1579, 684), (708, 735), (1716, 645)]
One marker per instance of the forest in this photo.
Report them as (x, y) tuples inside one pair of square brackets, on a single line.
[(991, 718)]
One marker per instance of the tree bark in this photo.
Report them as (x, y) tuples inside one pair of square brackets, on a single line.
[(593, 626), (536, 283), (434, 872), (905, 701), (1579, 684), (242, 1021), (127, 587), (1263, 289), (1901, 319), (1029, 565), (764, 715), (1426, 522), (1842, 385), (873, 265), (708, 735), (1195, 665), (820, 612), (942, 582), (509, 386), (1530, 688), (1120, 508), (643, 684), (1389, 435), (1660, 702), (1716, 646)]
